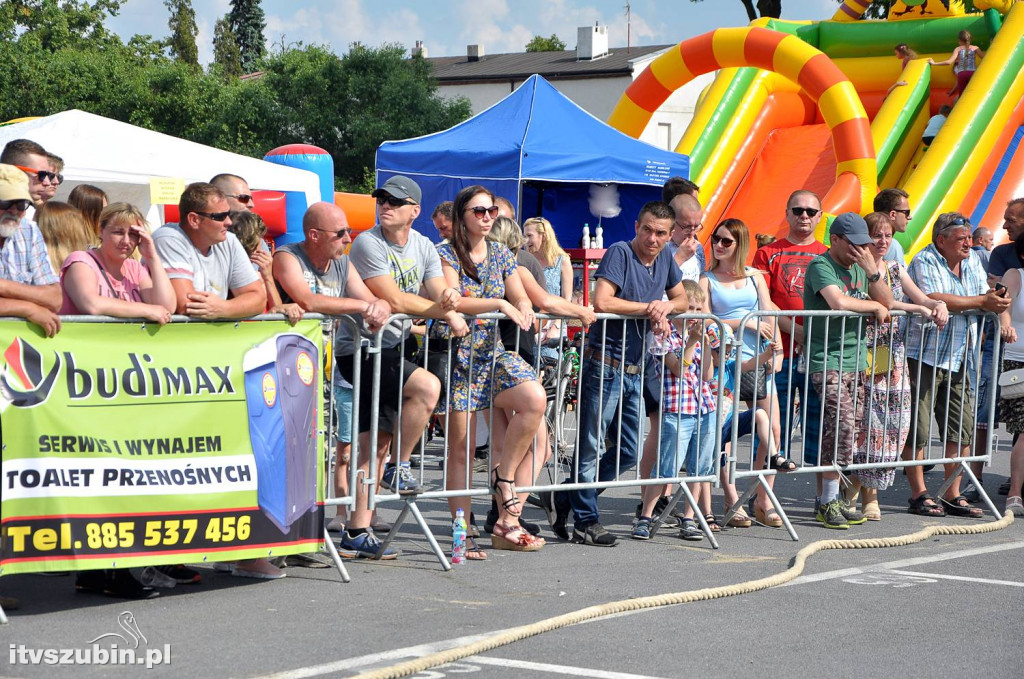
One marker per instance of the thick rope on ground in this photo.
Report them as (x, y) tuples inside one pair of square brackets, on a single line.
[(404, 669)]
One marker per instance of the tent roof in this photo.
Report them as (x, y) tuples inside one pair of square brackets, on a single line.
[(100, 150), (535, 133)]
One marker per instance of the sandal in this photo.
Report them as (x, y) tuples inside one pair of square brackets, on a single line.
[(781, 464), (959, 506), (514, 539), (739, 520), (473, 550), (920, 505), (768, 517), (1015, 505), (869, 505), (713, 523), (511, 505)]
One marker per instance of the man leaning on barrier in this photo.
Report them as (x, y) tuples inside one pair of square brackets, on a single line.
[(845, 278), (29, 288), (940, 361), (632, 279)]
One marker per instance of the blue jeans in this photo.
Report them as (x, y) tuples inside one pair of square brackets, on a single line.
[(599, 420), (810, 409)]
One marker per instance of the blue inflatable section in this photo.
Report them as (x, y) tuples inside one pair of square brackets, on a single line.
[(303, 157)]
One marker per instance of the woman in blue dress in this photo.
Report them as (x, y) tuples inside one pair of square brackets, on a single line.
[(484, 374)]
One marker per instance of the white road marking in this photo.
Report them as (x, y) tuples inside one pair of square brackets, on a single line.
[(963, 578), (563, 670), (421, 650)]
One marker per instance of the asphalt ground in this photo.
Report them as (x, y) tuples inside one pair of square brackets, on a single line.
[(947, 606)]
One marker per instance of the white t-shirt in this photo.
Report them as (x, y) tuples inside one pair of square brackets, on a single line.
[(224, 268)]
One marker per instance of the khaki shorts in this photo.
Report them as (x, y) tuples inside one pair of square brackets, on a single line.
[(941, 392)]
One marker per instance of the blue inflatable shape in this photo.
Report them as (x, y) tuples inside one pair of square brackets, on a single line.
[(303, 157)]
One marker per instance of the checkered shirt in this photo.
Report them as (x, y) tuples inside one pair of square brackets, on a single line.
[(23, 258), (680, 394)]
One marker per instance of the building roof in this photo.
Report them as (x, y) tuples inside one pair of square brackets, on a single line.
[(552, 65)]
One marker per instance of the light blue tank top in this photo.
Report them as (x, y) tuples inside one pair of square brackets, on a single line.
[(732, 303), (553, 277)]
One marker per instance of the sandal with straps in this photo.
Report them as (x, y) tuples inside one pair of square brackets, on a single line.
[(511, 505), (515, 539), (924, 505), (781, 464)]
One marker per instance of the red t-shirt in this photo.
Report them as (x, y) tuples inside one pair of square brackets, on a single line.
[(786, 265)]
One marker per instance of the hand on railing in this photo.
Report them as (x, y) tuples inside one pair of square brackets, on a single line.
[(376, 314), (45, 319), (293, 312), (658, 311)]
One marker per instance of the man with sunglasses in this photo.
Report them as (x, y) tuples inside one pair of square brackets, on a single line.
[(896, 204), (32, 159), (29, 288), (785, 263), (236, 191), (940, 361), (205, 261)]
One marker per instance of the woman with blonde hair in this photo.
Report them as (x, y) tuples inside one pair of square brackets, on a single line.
[(542, 244), (734, 290), (64, 230), (90, 201), (107, 281)]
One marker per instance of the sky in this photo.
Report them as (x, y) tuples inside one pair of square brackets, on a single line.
[(447, 27)]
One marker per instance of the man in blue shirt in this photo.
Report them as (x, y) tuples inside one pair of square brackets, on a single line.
[(632, 279)]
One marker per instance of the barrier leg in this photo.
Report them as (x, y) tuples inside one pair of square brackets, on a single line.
[(410, 507), (740, 503), (778, 507), (333, 551), (981, 490), (700, 515)]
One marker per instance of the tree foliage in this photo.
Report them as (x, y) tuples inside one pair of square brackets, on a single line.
[(542, 44), (182, 43), (247, 24), (226, 55)]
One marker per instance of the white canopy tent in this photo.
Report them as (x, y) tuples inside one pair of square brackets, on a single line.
[(121, 159)]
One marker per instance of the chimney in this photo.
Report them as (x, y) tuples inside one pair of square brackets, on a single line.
[(420, 49), (475, 52), (591, 42)]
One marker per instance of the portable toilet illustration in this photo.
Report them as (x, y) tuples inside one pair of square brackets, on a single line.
[(280, 390)]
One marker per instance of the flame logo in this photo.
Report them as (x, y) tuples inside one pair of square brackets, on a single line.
[(22, 383)]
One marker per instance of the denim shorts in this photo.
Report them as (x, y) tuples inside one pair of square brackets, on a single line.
[(343, 409), (681, 442)]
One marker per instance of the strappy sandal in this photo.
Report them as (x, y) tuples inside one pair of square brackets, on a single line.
[(713, 523), (959, 506), (918, 506), (768, 517), (781, 464), (739, 520), (511, 505), (514, 539), (473, 550)]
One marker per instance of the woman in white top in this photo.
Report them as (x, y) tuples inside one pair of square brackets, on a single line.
[(542, 244), (1011, 410)]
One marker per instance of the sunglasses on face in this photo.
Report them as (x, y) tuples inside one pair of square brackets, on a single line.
[(41, 175), (20, 204), (340, 233), (215, 216), (240, 197), (905, 213), (722, 240), (800, 211), (392, 201), (479, 211)]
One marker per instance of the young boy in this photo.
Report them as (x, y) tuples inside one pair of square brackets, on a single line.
[(688, 413)]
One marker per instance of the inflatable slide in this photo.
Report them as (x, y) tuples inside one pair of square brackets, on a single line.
[(807, 105)]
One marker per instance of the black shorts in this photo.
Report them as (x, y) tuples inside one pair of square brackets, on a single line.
[(395, 370)]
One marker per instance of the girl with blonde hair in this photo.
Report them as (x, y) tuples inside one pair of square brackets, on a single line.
[(542, 244), (64, 230)]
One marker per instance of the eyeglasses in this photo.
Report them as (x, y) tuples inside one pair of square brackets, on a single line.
[(340, 233), (480, 210), (800, 211), (723, 241), (215, 216), (687, 227), (19, 204), (392, 201), (240, 197), (41, 175)]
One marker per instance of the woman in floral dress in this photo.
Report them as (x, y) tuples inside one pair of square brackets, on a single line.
[(484, 374)]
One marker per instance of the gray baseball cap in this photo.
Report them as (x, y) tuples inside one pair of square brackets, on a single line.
[(853, 227), (400, 187)]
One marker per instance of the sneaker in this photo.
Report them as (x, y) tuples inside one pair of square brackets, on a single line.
[(971, 493), (557, 511), (831, 515), (642, 528), (152, 576), (183, 575), (259, 569), (120, 584), (595, 534), (366, 546), (689, 530), (400, 479), (852, 515)]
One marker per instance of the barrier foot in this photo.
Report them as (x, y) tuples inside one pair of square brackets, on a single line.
[(778, 507), (966, 468), (333, 551), (410, 507), (700, 516), (667, 512), (740, 504)]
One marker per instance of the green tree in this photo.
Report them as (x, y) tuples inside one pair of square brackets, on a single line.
[(55, 24), (247, 25), (182, 43), (226, 55), (542, 44)]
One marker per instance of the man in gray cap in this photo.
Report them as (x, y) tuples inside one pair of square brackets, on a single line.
[(396, 262), (29, 288), (846, 279)]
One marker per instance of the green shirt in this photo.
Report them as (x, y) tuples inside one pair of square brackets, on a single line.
[(822, 272)]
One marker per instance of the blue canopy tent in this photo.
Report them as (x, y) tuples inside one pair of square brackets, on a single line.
[(542, 152)]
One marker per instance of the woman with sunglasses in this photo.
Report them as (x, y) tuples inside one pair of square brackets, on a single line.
[(106, 281), (485, 374), (734, 290)]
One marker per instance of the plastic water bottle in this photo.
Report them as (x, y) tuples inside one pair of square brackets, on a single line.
[(599, 237), (585, 242), (459, 537)]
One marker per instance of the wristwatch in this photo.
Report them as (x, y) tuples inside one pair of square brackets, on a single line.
[(877, 277)]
